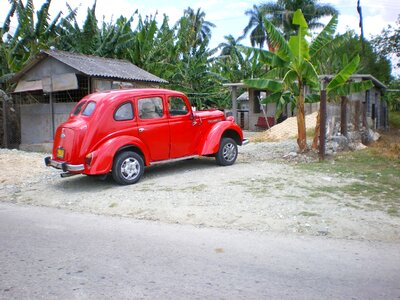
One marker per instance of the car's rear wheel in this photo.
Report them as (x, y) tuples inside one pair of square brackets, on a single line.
[(128, 168), (227, 152)]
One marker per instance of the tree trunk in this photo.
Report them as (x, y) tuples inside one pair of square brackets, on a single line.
[(301, 122), (316, 132)]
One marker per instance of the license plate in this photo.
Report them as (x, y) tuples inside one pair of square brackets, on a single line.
[(60, 153)]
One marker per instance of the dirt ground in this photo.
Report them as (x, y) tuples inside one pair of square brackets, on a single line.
[(263, 191)]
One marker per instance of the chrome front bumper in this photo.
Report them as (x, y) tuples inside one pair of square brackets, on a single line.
[(63, 166), (245, 142)]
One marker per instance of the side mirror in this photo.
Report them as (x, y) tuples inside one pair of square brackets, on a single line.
[(191, 116)]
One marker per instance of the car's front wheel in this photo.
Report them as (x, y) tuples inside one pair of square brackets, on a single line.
[(128, 168), (227, 152)]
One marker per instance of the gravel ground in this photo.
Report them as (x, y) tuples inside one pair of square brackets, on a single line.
[(263, 191)]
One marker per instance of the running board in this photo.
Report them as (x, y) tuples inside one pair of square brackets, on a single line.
[(67, 174), (172, 160)]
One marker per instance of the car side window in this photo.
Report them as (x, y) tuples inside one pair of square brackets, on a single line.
[(89, 109), (150, 108), (124, 112), (177, 106)]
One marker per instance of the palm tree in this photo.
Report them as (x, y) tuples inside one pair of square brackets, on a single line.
[(280, 14), (193, 30), (230, 47), (255, 26)]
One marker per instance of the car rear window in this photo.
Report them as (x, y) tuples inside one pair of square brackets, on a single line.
[(89, 109), (79, 108)]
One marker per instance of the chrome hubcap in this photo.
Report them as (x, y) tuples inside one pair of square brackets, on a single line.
[(229, 152), (130, 168)]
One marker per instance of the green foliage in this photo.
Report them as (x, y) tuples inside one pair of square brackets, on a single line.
[(346, 46), (394, 119), (31, 34), (344, 74), (392, 96), (388, 41), (324, 38)]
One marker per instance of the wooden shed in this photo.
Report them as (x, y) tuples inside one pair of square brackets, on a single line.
[(50, 85)]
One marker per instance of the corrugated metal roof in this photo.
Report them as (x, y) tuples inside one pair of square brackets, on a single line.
[(245, 96), (95, 66)]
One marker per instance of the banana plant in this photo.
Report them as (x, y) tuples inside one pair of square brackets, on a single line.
[(291, 70)]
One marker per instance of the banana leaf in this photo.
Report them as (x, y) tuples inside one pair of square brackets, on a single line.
[(264, 84), (342, 77)]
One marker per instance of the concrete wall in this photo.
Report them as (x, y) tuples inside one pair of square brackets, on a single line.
[(254, 115), (36, 125)]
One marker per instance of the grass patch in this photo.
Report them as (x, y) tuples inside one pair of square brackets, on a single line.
[(394, 119), (197, 188), (310, 133), (309, 214), (352, 205), (378, 177), (393, 211)]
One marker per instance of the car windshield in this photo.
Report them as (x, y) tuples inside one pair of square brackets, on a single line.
[(89, 109)]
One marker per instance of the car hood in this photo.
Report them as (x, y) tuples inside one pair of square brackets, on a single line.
[(210, 114)]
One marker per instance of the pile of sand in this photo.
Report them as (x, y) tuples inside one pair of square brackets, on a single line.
[(285, 130)]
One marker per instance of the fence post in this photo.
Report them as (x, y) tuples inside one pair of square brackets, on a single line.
[(5, 133), (322, 128), (343, 116)]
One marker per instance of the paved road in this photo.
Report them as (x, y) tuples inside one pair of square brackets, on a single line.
[(54, 254)]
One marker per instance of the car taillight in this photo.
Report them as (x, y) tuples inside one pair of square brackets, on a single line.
[(88, 159)]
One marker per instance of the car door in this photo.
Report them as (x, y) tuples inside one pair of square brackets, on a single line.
[(184, 131), (153, 126)]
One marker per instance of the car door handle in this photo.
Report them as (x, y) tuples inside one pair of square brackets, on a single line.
[(141, 129)]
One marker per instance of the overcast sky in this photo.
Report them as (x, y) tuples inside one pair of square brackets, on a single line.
[(227, 15)]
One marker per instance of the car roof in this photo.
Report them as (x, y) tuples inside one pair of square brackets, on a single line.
[(113, 95)]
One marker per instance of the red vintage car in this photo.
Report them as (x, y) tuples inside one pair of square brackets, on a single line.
[(122, 131)]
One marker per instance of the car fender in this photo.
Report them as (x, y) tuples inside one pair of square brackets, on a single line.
[(103, 156), (211, 140)]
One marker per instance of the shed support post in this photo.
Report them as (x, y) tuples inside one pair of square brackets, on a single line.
[(322, 128), (343, 116), (52, 115), (5, 133), (234, 103)]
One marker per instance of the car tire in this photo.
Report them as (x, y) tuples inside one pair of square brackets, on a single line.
[(128, 168), (227, 152)]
